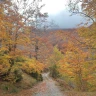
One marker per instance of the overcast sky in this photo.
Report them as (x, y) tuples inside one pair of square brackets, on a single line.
[(58, 11)]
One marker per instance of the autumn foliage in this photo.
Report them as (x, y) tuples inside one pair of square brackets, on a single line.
[(14, 42), (70, 56), (76, 63)]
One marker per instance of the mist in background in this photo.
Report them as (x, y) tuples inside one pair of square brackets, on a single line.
[(64, 20), (58, 12)]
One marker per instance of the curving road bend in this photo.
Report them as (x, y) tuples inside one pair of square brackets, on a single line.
[(47, 87)]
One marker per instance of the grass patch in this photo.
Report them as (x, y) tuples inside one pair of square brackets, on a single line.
[(8, 87), (64, 86), (69, 91), (26, 83), (72, 93)]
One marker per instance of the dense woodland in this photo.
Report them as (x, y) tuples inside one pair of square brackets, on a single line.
[(28, 44)]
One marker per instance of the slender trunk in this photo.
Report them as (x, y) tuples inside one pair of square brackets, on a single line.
[(36, 50)]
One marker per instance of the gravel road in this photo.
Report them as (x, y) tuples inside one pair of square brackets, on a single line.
[(48, 87)]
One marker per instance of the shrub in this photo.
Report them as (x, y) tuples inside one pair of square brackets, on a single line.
[(14, 76), (53, 71), (37, 76)]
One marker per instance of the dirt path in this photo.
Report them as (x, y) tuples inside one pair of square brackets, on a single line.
[(47, 87)]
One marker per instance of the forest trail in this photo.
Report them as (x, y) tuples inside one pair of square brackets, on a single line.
[(48, 87)]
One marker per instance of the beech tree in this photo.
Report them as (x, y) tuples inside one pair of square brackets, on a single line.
[(53, 61), (14, 37), (83, 7), (77, 67)]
